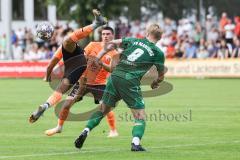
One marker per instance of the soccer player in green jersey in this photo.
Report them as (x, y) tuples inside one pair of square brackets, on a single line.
[(138, 57)]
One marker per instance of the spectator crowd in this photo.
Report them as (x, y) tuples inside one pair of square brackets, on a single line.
[(186, 39)]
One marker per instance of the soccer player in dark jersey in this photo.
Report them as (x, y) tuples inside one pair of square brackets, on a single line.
[(138, 57), (95, 77), (74, 63)]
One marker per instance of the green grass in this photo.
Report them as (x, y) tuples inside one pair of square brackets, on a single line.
[(213, 132)]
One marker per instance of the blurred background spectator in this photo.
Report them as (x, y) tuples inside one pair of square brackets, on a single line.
[(184, 39)]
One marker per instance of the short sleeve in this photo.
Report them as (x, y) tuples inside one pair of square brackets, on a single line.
[(88, 49), (159, 60), (127, 41)]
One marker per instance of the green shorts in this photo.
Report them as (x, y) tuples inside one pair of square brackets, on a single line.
[(118, 88)]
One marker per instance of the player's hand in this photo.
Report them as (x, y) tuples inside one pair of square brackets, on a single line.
[(109, 46), (97, 62), (155, 84), (94, 63), (100, 63)]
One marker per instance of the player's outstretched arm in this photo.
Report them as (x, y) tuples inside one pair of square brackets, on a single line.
[(116, 42), (50, 67), (160, 78), (54, 61), (108, 47)]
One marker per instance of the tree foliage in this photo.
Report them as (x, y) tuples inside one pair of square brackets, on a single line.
[(229, 6), (81, 10), (174, 9)]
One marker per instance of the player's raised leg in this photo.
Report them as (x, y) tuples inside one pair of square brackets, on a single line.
[(69, 46), (69, 43)]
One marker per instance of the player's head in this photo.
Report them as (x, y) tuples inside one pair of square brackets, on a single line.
[(154, 32), (107, 34)]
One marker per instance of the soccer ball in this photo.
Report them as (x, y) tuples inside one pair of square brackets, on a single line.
[(45, 31)]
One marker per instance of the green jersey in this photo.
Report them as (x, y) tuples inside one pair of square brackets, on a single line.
[(138, 57)]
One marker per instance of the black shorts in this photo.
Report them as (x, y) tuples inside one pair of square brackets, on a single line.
[(96, 90), (74, 64)]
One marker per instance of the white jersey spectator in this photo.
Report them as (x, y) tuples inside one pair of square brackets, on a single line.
[(3, 47), (202, 53), (229, 31), (229, 35), (17, 52), (213, 35), (41, 53), (32, 54), (135, 29), (20, 36), (180, 30), (187, 28)]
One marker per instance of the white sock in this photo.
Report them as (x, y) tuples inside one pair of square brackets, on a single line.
[(87, 129), (94, 25), (46, 105), (59, 127), (136, 140)]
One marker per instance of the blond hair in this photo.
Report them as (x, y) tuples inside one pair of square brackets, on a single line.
[(155, 31)]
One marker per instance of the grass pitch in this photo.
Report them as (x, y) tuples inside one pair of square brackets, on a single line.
[(198, 120)]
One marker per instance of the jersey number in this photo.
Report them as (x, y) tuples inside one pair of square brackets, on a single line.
[(135, 55)]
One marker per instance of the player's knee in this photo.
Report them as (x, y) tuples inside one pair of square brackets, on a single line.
[(68, 103), (65, 82), (139, 114), (104, 109), (64, 86), (141, 117)]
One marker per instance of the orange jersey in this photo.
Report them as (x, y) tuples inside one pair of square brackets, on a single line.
[(97, 76)]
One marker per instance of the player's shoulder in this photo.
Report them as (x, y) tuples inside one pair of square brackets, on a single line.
[(92, 48), (158, 51), (129, 39), (94, 43)]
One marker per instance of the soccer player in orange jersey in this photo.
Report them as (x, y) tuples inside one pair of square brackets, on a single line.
[(74, 62), (95, 77)]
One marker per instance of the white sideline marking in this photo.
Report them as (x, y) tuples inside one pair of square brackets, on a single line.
[(110, 150)]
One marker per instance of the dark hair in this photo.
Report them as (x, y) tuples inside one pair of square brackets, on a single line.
[(108, 28)]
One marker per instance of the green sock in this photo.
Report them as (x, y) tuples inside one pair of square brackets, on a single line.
[(94, 120), (138, 129)]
